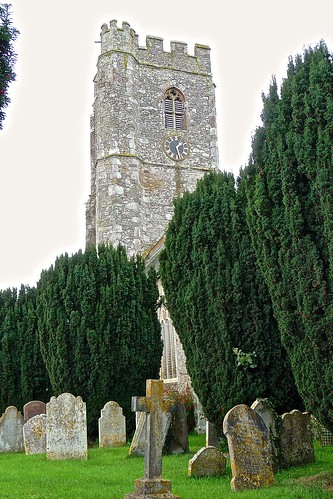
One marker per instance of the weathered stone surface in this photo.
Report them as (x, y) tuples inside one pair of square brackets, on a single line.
[(152, 488), (208, 461), (176, 441), (33, 408), (296, 439), (11, 430), (270, 418), (152, 485), (112, 426), (66, 428), (249, 450), (211, 435), (34, 435), (137, 447)]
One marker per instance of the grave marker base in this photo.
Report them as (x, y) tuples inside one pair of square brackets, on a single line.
[(152, 488)]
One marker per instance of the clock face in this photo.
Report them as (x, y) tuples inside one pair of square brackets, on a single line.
[(176, 147)]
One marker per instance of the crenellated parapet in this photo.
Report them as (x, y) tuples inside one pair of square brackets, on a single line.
[(125, 39)]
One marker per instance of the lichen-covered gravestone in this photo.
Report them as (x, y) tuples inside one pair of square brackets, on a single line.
[(112, 426), (152, 485), (296, 439), (34, 435), (248, 443), (66, 428), (33, 408), (137, 447), (11, 430), (208, 461), (270, 418)]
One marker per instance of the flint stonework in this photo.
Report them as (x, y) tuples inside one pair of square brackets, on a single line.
[(66, 428), (249, 450)]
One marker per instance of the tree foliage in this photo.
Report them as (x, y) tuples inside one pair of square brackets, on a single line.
[(99, 331), (23, 376), (8, 35), (219, 302), (290, 215)]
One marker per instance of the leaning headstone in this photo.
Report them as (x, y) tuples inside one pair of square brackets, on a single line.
[(112, 426), (34, 435), (296, 439), (211, 435), (66, 428), (270, 418), (248, 443), (208, 461), (137, 447), (177, 438), (11, 430), (33, 408), (152, 484)]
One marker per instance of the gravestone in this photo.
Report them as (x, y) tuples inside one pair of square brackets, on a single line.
[(249, 450), (208, 461), (34, 435), (112, 426), (11, 430), (33, 408), (211, 435), (296, 439), (137, 447), (176, 441), (66, 428), (270, 418), (152, 484)]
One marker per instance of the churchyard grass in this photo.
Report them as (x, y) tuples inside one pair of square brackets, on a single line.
[(109, 473)]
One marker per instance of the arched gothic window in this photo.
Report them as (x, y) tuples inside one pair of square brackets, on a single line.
[(174, 109)]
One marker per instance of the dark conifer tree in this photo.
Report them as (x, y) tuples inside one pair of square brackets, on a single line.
[(219, 302), (99, 330), (8, 35), (290, 215)]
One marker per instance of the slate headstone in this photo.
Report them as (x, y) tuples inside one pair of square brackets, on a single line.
[(211, 434), (176, 441), (249, 451), (137, 447), (33, 408)]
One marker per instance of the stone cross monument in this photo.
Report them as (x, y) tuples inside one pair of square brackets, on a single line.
[(152, 485)]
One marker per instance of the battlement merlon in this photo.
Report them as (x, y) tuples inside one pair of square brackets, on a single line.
[(125, 39)]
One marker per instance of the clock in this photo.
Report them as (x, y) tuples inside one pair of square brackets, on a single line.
[(176, 147)]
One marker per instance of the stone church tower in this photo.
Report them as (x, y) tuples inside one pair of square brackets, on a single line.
[(153, 135)]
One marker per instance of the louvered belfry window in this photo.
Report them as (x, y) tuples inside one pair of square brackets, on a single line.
[(174, 110)]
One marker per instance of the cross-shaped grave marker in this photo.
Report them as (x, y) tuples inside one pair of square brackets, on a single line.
[(154, 405)]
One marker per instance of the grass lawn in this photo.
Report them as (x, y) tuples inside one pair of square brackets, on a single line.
[(110, 473)]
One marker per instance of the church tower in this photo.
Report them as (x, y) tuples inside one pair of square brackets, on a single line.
[(153, 135)]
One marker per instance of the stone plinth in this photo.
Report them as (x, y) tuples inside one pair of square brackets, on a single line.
[(152, 488)]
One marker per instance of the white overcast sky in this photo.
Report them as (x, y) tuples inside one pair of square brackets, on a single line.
[(44, 144)]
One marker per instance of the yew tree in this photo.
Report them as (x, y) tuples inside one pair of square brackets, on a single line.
[(8, 35), (290, 215), (220, 304)]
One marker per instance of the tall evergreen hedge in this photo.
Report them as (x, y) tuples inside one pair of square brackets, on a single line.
[(8, 35), (290, 215), (99, 332), (219, 302)]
